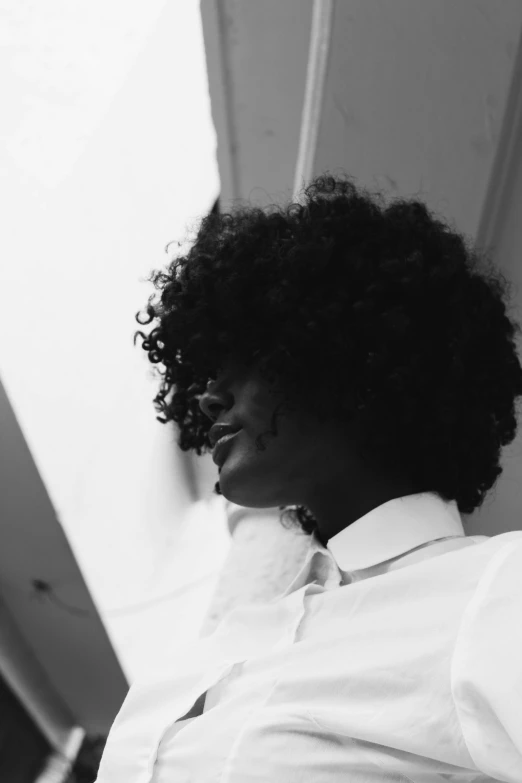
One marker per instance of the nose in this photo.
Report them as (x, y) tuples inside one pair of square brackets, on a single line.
[(213, 401)]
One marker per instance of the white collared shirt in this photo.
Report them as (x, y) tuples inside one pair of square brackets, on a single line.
[(395, 655)]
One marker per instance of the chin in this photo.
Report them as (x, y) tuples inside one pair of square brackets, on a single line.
[(244, 491)]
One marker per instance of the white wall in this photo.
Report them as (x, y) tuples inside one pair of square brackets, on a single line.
[(415, 97), (257, 56), (107, 151)]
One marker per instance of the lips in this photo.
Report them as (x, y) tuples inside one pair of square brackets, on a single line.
[(217, 431), (218, 453)]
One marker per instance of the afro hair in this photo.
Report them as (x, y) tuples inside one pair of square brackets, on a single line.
[(367, 310)]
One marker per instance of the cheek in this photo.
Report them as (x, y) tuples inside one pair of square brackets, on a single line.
[(282, 458)]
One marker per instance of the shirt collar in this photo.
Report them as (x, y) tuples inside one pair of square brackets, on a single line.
[(392, 529)]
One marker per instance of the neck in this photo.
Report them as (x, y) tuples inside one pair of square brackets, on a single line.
[(337, 508)]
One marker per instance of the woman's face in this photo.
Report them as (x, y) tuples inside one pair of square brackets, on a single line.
[(302, 459)]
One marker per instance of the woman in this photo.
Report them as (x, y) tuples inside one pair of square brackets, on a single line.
[(361, 360)]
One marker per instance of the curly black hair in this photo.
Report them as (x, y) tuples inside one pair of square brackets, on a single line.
[(382, 313)]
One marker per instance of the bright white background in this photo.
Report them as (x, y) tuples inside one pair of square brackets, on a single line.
[(107, 154)]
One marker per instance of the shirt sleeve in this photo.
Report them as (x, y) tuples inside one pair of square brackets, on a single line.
[(486, 671)]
